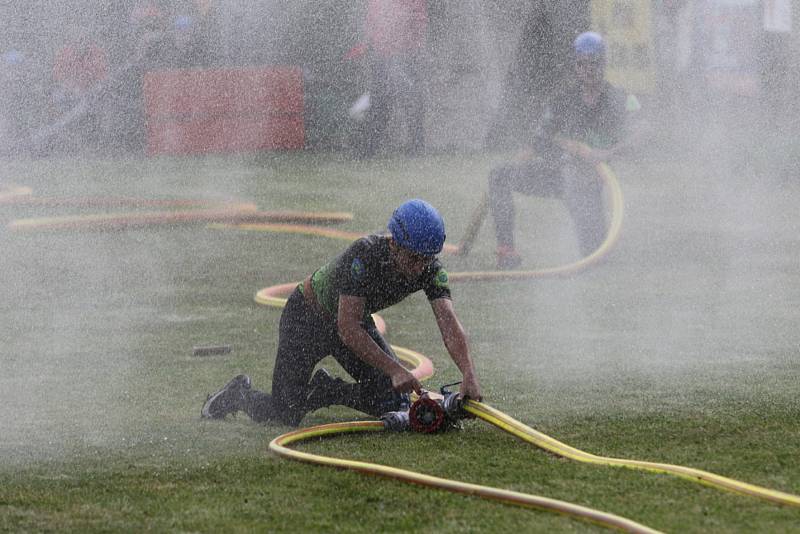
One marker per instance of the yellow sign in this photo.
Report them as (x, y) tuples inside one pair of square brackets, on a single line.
[(626, 27)]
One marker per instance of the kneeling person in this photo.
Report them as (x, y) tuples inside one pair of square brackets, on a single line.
[(330, 313)]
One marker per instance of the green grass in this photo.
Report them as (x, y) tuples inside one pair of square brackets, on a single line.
[(681, 348)]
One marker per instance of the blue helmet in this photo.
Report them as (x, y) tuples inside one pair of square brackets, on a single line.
[(13, 57), (590, 44), (183, 22), (417, 226)]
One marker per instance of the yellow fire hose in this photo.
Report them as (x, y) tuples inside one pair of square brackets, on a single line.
[(12, 194), (512, 426), (245, 217), (232, 213), (280, 445), (190, 211), (612, 236), (273, 296)]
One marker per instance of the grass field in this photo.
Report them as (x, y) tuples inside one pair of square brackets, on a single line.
[(682, 347)]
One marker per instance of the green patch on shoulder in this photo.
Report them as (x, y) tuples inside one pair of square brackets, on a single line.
[(442, 280), (357, 269)]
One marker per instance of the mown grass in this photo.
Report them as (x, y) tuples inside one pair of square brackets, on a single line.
[(680, 348)]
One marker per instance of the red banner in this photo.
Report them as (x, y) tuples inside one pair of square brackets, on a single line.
[(193, 111)]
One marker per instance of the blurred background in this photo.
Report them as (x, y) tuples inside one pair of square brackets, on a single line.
[(485, 67)]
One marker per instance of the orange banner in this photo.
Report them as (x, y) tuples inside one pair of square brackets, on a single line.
[(193, 111)]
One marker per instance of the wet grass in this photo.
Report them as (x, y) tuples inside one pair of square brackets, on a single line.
[(680, 348)]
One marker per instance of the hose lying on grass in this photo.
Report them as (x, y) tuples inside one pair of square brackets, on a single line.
[(245, 216), (275, 296), (280, 446)]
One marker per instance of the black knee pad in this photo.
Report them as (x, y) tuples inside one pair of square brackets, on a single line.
[(376, 406)]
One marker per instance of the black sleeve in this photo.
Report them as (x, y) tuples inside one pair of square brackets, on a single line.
[(437, 282), (549, 126), (353, 270)]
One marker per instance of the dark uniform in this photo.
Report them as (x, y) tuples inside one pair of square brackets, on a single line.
[(308, 333), (554, 174)]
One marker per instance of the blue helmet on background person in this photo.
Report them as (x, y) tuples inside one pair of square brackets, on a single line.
[(183, 22), (13, 57), (590, 44), (417, 226)]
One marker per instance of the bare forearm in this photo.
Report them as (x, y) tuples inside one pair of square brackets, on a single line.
[(458, 348), (454, 337)]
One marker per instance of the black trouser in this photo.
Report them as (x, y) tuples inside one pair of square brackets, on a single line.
[(306, 336), (578, 187), (396, 83)]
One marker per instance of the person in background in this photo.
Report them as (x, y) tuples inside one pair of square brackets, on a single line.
[(330, 313), (205, 19), (190, 36), (21, 96), (183, 48), (775, 60), (585, 126), (395, 36), (80, 69), (146, 40), (149, 25)]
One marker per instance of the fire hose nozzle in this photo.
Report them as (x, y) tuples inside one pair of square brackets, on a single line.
[(427, 414)]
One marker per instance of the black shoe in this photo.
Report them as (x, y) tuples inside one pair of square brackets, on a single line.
[(323, 390), (227, 400)]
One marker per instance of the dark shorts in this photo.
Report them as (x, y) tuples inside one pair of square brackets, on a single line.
[(578, 186)]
